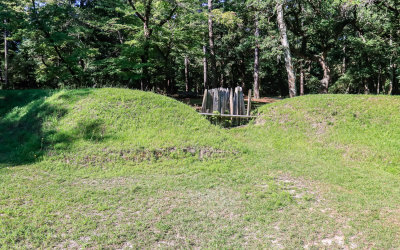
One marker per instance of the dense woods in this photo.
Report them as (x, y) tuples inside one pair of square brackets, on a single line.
[(274, 47)]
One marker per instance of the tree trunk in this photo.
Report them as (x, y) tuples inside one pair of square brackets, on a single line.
[(167, 72), (390, 87), (145, 57), (222, 76), (286, 50), (205, 67), (327, 74), (378, 85), (243, 72), (392, 77), (344, 63), (366, 89), (256, 60), (5, 56), (213, 74), (302, 77), (393, 70), (187, 73), (393, 83)]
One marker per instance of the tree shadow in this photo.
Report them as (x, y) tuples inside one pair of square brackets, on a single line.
[(9, 99), (92, 130), (23, 117)]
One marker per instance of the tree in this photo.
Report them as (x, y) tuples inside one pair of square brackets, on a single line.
[(286, 50), (5, 54), (213, 71), (183, 45), (149, 23), (256, 85)]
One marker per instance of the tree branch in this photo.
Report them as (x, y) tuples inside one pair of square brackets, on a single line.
[(136, 12), (169, 16)]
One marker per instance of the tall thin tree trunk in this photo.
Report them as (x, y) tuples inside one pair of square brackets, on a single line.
[(5, 56), (344, 63), (393, 81), (213, 73), (286, 50), (243, 73), (145, 57), (378, 85), (393, 69), (302, 78), (205, 83), (187, 73), (256, 86), (222, 79)]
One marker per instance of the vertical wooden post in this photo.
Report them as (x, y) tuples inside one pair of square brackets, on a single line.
[(215, 100), (223, 100), (231, 101), (241, 108), (249, 103), (236, 101), (211, 104), (204, 104)]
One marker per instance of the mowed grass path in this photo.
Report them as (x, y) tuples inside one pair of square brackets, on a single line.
[(120, 168)]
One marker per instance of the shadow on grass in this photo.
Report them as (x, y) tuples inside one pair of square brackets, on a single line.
[(23, 115)]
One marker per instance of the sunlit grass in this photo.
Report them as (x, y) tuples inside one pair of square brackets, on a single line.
[(120, 168)]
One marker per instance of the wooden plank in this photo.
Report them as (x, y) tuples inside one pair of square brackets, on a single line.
[(236, 101), (216, 101), (227, 100), (231, 108), (211, 100), (264, 100), (226, 115), (223, 101), (242, 107), (204, 104), (220, 97), (249, 103)]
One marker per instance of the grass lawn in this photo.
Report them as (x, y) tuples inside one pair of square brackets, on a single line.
[(117, 168)]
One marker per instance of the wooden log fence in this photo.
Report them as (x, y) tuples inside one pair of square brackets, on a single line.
[(226, 103)]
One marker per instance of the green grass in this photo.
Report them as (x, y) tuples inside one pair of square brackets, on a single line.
[(116, 168)]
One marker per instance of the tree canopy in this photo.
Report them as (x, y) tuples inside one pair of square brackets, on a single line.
[(334, 46)]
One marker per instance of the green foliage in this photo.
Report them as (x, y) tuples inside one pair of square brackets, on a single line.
[(57, 44), (342, 85)]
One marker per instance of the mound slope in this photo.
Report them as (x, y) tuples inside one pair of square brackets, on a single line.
[(109, 122), (360, 128)]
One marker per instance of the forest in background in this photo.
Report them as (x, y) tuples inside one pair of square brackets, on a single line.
[(275, 47)]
